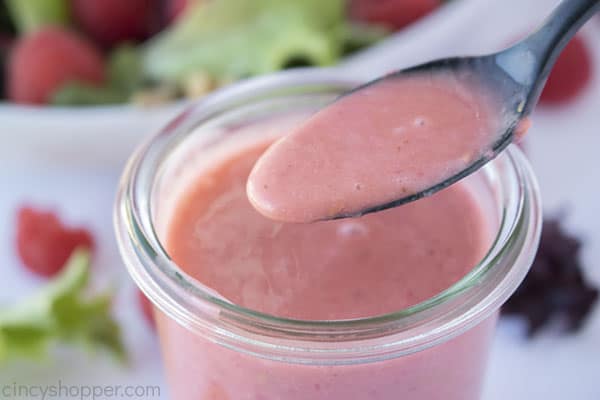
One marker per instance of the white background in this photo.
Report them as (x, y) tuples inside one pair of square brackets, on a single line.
[(563, 145)]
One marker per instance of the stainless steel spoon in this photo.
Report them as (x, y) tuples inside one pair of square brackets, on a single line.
[(517, 76)]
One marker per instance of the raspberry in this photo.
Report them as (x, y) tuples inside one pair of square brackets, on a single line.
[(570, 74), (109, 22), (44, 244), (40, 63), (395, 14), (147, 308)]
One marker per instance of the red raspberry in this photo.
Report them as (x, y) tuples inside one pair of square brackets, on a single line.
[(147, 308), (571, 73), (396, 14), (109, 22), (43, 61), (44, 244)]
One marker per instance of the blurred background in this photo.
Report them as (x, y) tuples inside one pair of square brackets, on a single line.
[(82, 82)]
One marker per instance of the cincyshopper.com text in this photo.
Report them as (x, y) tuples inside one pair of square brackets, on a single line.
[(63, 391)]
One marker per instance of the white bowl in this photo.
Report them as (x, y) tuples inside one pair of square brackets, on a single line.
[(106, 135), (86, 136)]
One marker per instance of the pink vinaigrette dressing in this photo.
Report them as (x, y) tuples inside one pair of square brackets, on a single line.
[(234, 227), (343, 269)]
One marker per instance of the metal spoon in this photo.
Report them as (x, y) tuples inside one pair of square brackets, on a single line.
[(517, 76)]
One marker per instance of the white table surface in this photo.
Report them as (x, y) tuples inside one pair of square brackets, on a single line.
[(563, 146)]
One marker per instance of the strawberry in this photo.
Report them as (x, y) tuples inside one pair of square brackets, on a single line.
[(147, 308), (175, 9), (395, 14), (570, 75), (44, 244), (41, 62), (110, 22)]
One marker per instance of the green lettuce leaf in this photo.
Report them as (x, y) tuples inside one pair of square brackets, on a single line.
[(124, 70), (60, 313), (232, 39), (82, 94), (29, 15)]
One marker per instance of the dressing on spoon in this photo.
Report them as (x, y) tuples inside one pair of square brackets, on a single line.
[(386, 141), (412, 133)]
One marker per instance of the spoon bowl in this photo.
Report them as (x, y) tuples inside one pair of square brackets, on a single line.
[(509, 98), (347, 160), (516, 76)]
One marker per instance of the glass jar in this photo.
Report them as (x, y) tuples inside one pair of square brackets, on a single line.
[(215, 350)]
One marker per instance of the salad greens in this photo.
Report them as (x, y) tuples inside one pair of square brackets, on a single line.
[(213, 43), (231, 39), (124, 70), (61, 312), (28, 15), (82, 94)]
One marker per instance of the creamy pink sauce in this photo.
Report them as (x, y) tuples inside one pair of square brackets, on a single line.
[(381, 143), (198, 369), (352, 268)]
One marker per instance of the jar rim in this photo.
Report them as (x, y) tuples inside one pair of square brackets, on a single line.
[(470, 300)]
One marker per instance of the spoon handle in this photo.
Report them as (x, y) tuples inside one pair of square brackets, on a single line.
[(540, 50)]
